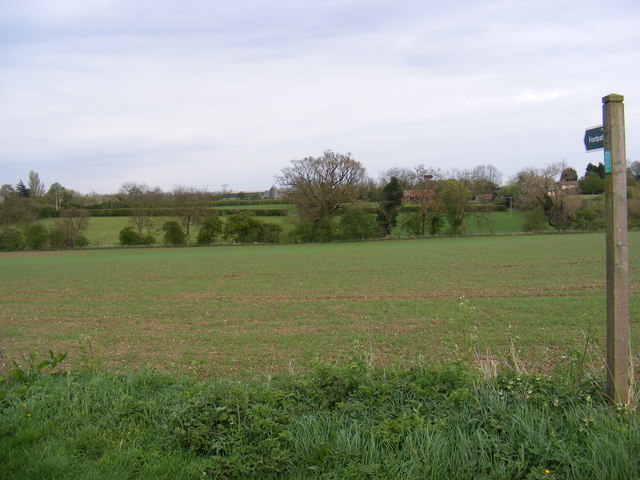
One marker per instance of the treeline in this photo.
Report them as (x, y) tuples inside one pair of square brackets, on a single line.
[(334, 199)]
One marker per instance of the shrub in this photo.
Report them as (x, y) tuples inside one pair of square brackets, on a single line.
[(128, 236), (209, 231), (411, 223), (587, 219), (47, 212), (633, 212), (37, 236), (56, 239), (70, 226), (148, 240), (319, 230), (173, 233), (244, 228), (357, 225), (11, 239), (81, 241), (534, 220)]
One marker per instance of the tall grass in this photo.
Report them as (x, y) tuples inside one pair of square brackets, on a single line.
[(348, 421)]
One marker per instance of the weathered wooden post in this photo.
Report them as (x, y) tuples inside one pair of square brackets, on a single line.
[(618, 355)]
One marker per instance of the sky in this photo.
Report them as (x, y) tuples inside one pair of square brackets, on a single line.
[(224, 94)]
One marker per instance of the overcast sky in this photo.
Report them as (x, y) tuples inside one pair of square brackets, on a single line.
[(207, 93)]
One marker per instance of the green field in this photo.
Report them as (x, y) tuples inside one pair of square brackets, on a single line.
[(103, 231), (241, 311)]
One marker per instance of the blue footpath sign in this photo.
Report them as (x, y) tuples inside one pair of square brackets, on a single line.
[(594, 138)]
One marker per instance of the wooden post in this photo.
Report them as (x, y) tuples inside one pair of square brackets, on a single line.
[(618, 355)]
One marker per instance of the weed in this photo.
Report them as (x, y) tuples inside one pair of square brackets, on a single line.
[(31, 369)]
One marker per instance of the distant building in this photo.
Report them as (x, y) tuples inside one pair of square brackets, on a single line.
[(485, 197), (568, 188), (270, 194), (417, 196)]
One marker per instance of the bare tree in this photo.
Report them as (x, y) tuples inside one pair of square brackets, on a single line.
[(406, 177), (70, 225), (539, 188), (142, 199), (431, 206), (36, 187), (480, 180), (190, 207), (324, 186)]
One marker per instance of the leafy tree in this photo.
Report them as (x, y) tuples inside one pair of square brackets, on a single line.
[(599, 169), (507, 194), (323, 187), (389, 205), (22, 190), (6, 191), (357, 225), (592, 183), (244, 228), (415, 223), (70, 227), (568, 175), (210, 229), (455, 198), (58, 196), (173, 233), (411, 223), (633, 171)]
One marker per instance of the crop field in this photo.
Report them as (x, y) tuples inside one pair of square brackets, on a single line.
[(245, 311)]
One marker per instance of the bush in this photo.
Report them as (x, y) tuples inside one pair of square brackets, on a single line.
[(633, 212), (47, 212), (357, 225), (128, 236), (270, 233), (209, 231), (56, 239), (37, 236), (148, 240), (534, 220), (81, 241), (244, 228), (411, 223), (321, 230), (174, 234), (11, 239), (587, 219)]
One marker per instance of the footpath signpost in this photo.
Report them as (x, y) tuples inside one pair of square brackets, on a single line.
[(594, 138), (618, 352)]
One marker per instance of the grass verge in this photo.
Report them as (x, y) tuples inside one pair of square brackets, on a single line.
[(343, 420)]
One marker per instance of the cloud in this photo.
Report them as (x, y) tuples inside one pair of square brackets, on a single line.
[(231, 91)]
